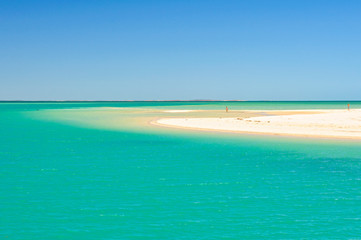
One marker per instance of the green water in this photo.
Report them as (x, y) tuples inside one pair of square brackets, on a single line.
[(61, 180)]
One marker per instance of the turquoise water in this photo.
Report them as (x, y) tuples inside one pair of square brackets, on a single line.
[(63, 181)]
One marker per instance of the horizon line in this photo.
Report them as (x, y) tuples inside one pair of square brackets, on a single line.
[(194, 100)]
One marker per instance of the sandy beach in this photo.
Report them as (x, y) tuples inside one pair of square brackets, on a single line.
[(311, 123), (178, 111)]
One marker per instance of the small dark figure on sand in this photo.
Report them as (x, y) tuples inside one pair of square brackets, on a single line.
[(226, 109)]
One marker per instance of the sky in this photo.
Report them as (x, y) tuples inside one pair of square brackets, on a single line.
[(180, 50)]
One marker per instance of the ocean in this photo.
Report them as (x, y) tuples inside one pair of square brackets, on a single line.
[(96, 170)]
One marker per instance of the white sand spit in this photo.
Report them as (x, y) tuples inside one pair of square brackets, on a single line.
[(328, 123), (178, 111)]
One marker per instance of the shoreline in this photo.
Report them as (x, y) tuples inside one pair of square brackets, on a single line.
[(325, 124)]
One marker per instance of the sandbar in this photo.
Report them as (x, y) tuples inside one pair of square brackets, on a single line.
[(178, 111), (311, 123)]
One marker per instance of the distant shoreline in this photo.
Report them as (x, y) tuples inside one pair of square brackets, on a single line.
[(62, 101), (125, 101)]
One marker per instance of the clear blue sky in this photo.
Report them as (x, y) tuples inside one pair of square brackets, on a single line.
[(162, 50)]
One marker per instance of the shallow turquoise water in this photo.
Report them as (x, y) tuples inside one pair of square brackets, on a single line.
[(59, 181)]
